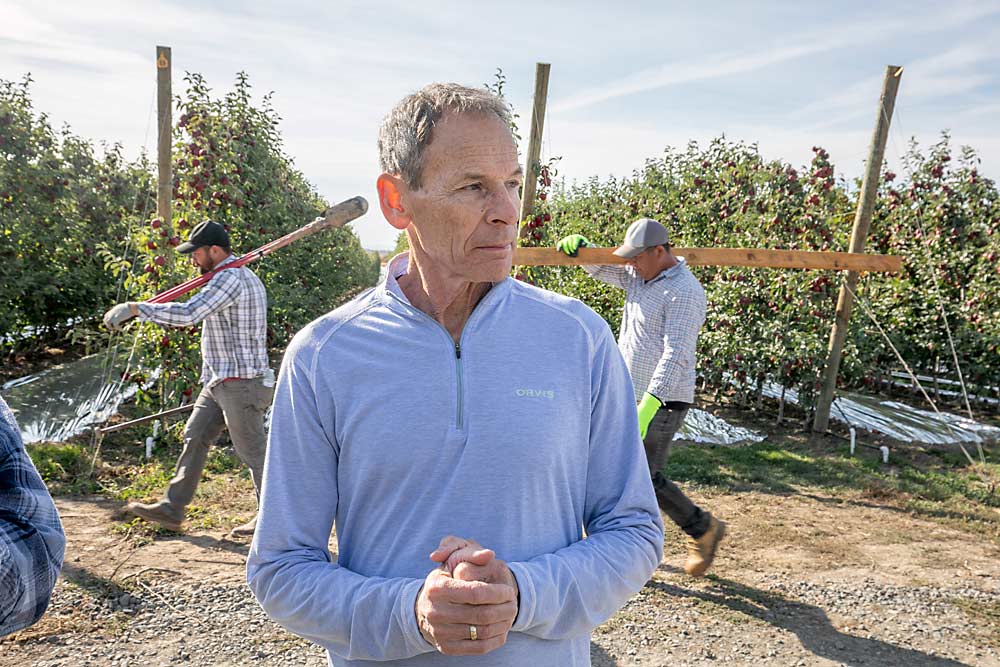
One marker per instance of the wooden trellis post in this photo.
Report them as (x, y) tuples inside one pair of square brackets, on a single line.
[(862, 223), (534, 141), (164, 121)]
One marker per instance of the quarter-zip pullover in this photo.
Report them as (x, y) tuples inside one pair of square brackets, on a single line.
[(522, 437)]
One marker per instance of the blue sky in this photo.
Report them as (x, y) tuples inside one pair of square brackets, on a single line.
[(627, 78)]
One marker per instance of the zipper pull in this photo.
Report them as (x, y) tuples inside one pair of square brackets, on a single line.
[(458, 351)]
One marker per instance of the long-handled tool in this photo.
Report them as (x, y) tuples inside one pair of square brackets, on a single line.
[(143, 420), (337, 216)]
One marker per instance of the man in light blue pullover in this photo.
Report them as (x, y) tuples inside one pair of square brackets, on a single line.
[(472, 438)]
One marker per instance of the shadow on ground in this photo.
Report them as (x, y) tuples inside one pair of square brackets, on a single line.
[(601, 658), (809, 623)]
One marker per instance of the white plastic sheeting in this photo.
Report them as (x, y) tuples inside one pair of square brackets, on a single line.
[(900, 421), (67, 399), (64, 400), (704, 428)]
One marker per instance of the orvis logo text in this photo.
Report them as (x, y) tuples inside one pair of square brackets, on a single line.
[(535, 393)]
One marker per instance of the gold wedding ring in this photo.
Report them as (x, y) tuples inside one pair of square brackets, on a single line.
[(473, 633)]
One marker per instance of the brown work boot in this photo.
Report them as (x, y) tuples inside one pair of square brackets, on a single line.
[(701, 551), (246, 530), (159, 513)]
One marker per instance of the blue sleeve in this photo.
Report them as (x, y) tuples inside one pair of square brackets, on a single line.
[(570, 592), (290, 569), (32, 542), (220, 292)]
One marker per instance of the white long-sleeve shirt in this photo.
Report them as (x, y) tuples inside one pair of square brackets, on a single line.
[(660, 325)]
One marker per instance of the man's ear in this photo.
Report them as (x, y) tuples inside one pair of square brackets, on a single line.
[(390, 198)]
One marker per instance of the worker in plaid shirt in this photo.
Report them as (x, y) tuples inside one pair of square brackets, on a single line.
[(664, 311), (237, 382), (31, 537)]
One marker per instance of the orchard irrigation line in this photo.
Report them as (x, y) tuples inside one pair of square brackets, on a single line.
[(125, 251), (934, 280), (937, 291), (913, 376), (111, 352), (944, 315)]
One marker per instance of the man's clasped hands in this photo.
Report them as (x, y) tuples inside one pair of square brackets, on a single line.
[(467, 604)]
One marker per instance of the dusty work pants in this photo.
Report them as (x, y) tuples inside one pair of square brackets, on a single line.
[(666, 422), (238, 405)]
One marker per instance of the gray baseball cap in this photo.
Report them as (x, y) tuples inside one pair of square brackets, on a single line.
[(643, 233)]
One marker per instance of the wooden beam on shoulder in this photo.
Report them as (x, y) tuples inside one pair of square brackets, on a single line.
[(745, 257)]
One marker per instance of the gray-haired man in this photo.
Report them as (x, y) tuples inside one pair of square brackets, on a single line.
[(408, 416), (664, 311)]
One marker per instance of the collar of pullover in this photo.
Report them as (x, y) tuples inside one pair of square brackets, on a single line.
[(391, 294)]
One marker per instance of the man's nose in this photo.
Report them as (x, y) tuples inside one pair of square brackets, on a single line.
[(504, 206)]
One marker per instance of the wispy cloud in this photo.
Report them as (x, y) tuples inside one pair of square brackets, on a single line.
[(833, 37), (338, 67), (674, 73), (951, 74)]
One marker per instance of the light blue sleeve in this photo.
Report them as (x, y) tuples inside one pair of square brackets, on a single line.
[(575, 589), (289, 568)]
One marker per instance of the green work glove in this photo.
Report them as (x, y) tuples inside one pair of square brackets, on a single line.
[(647, 408), (571, 244)]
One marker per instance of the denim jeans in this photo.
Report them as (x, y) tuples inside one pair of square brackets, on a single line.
[(665, 423)]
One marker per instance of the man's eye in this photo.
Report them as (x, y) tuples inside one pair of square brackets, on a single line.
[(474, 186), (513, 185)]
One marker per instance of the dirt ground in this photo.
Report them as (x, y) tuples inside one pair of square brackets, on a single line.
[(802, 579)]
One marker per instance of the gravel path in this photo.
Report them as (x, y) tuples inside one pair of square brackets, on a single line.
[(673, 621), (800, 580)]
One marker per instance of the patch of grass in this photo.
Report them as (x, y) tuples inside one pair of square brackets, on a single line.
[(766, 466), (201, 518), (976, 484), (221, 461), (933, 482), (140, 483), (64, 467)]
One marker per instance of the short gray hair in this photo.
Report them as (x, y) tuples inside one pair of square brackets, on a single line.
[(406, 130)]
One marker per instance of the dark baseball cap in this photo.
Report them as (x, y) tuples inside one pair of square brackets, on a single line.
[(205, 233), (643, 233)]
